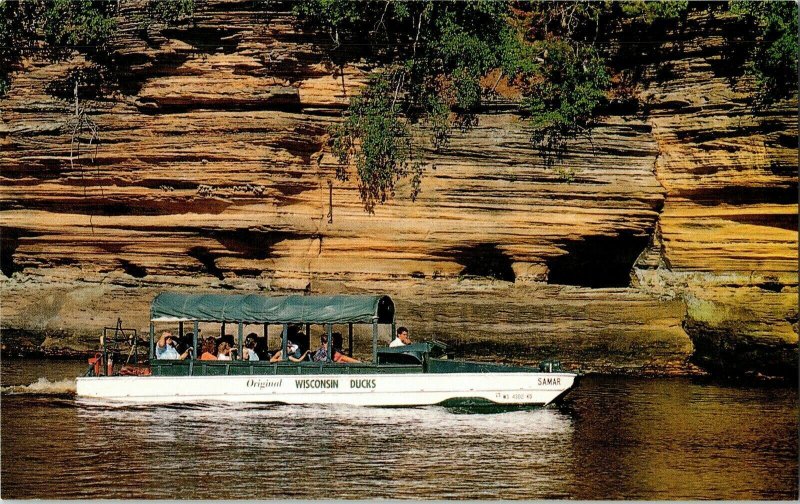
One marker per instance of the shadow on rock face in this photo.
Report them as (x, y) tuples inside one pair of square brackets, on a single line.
[(208, 260), (485, 260)]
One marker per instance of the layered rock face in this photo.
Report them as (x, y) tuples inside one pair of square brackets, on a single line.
[(675, 233), (729, 224)]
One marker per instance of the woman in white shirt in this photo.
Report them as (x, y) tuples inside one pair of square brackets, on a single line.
[(224, 351), (250, 348)]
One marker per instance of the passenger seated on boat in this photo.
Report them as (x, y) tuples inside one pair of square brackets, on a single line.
[(338, 353), (224, 351), (321, 354), (186, 341), (249, 352), (261, 347), (165, 348), (228, 338), (209, 349), (292, 351), (302, 340), (402, 338)]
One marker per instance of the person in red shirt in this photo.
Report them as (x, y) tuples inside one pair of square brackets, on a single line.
[(338, 353)]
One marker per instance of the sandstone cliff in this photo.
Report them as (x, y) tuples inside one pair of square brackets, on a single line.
[(676, 242)]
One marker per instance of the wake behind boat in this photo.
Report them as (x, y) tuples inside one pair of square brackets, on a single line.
[(405, 375)]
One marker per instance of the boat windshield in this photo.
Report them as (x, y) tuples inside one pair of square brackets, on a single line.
[(414, 353)]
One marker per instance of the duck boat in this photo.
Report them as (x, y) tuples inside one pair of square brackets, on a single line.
[(412, 375)]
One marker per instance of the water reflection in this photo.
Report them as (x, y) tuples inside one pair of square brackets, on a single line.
[(616, 438), (670, 438)]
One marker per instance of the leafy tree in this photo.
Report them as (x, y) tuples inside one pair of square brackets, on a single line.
[(435, 56), (63, 25), (171, 11), (161, 13), (55, 28), (563, 98), (378, 142), (85, 25), (651, 11), (774, 56), (18, 23)]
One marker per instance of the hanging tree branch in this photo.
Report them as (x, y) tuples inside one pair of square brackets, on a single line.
[(79, 124)]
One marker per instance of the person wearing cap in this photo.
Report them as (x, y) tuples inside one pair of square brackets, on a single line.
[(402, 338), (165, 348), (292, 352)]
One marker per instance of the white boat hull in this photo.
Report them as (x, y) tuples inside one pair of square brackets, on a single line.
[(355, 389)]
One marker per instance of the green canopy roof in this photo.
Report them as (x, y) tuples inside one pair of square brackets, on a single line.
[(252, 308)]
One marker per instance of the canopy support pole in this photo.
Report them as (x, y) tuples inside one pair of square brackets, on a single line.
[(241, 335), (308, 333), (180, 331), (394, 331), (350, 339), (285, 340), (375, 341), (266, 336), (105, 363), (194, 339), (152, 341), (329, 330), (222, 329)]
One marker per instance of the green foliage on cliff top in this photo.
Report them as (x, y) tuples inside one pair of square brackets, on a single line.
[(437, 57), (439, 61), (58, 28), (434, 55), (17, 28), (774, 56), (85, 25), (652, 11), (563, 101), (171, 11)]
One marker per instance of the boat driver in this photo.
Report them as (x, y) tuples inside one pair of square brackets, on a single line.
[(165, 348), (402, 338)]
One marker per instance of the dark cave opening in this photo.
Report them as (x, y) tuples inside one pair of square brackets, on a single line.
[(9, 241), (206, 39), (132, 269), (208, 261), (250, 243), (485, 260), (597, 261)]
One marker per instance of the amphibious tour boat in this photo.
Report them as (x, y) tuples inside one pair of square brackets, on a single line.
[(416, 374)]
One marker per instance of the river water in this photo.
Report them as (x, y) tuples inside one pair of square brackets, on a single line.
[(630, 438)]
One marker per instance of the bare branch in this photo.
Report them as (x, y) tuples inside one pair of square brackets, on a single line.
[(383, 15), (397, 88), (78, 124), (494, 86), (419, 28)]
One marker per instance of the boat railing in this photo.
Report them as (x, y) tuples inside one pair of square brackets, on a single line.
[(241, 368), (121, 352)]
